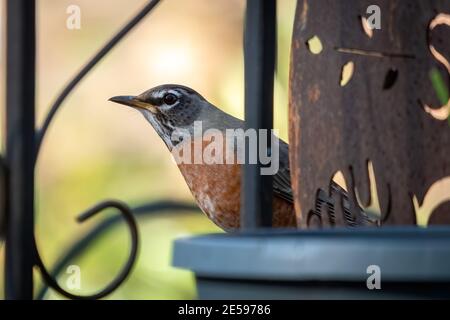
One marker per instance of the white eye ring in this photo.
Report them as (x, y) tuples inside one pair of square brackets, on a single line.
[(170, 99)]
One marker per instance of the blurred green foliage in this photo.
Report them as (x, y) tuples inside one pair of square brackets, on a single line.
[(440, 87)]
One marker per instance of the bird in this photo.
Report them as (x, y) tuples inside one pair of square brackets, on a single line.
[(216, 187)]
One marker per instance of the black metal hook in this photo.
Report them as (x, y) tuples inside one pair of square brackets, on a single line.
[(148, 210), (128, 216), (123, 208)]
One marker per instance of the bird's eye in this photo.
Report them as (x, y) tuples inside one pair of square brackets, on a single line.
[(170, 99)]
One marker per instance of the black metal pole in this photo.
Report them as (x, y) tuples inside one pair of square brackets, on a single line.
[(259, 53), (20, 148)]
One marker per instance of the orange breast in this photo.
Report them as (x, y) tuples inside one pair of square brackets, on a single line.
[(217, 190)]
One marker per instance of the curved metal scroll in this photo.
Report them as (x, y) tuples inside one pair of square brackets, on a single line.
[(123, 208), (76, 249), (128, 216)]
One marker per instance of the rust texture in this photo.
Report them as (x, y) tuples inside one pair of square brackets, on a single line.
[(378, 116)]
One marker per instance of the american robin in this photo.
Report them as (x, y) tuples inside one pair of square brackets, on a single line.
[(215, 186)]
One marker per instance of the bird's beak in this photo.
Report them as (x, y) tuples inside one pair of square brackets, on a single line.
[(133, 102)]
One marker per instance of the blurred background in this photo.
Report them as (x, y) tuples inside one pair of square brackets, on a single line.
[(98, 150)]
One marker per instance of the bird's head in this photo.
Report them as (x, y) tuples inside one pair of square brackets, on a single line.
[(168, 108)]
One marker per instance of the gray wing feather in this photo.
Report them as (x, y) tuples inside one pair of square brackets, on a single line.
[(282, 179)]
